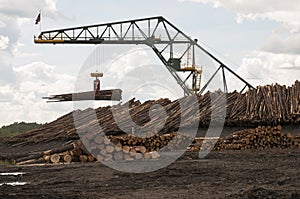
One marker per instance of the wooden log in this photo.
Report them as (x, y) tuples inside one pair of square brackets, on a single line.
[(147, 156), (127, 156), (29, 157), (55, 158), (90, 158), (68, 158), (108, 157), (99, 139), (76, 152), (140, 149), (103, 152), (100, 158), (118, 156), (106, 141), (154, 154), (83, 158), (110, 148), (118, 147), (32, 161), (47, 158), (126, 149), (138, 156)]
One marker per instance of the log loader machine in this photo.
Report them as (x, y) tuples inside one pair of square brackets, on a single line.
[(147, 31)]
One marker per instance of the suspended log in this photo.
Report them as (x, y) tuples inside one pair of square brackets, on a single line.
[(114, 94)]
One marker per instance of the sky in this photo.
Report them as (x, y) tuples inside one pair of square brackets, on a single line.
[(258, 39)]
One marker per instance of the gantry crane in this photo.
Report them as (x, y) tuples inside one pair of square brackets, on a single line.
[(170, 48)]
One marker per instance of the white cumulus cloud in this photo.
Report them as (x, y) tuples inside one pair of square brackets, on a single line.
[(23, 101), (4, 41), (282, 45), (285, 12), (28, 9), (265, 68)]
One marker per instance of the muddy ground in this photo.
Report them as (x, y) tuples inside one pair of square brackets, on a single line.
[(228, 174)]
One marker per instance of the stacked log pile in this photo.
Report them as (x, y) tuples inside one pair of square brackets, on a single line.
[(54, 156), (98, 147), (275, 104), (101, 149), (266, 105), (129, 147), (297, 138), (260, 138), (66, 154)]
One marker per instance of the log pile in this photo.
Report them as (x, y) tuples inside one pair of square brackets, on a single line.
[(76, 152), (263, 137), (129, 147), (98, 147), (260, 138), (266, 105), (275, 104), (101, 149), (297, 138)]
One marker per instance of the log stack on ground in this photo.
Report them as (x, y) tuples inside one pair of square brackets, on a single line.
[(259, 138), (266, 105), (119, 148), (263, 137), (128, 147), (124, 123)]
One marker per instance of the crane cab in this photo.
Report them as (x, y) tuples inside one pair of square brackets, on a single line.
[(97, 82)]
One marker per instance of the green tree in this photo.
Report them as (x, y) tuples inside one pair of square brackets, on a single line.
[(17, 128)]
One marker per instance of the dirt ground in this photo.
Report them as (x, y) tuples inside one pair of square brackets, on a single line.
[(228, 174)]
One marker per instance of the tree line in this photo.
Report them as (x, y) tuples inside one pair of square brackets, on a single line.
[(17, 128)]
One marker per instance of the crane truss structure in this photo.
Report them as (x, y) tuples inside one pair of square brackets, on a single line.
[(169, 43)]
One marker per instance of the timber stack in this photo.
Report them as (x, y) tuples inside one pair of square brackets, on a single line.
[(144, 128), (103, 148), (267, 105), (98, 147), (260, 138)]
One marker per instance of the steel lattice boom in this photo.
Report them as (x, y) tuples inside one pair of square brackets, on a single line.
[(164, 38)]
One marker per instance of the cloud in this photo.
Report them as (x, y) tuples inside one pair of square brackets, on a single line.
[(23, 101), (4, 41), (2, 24), (285, 12), (22, 87), (28, 9), (14, 13), (264, 68), (6, 70), (281, 45)]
